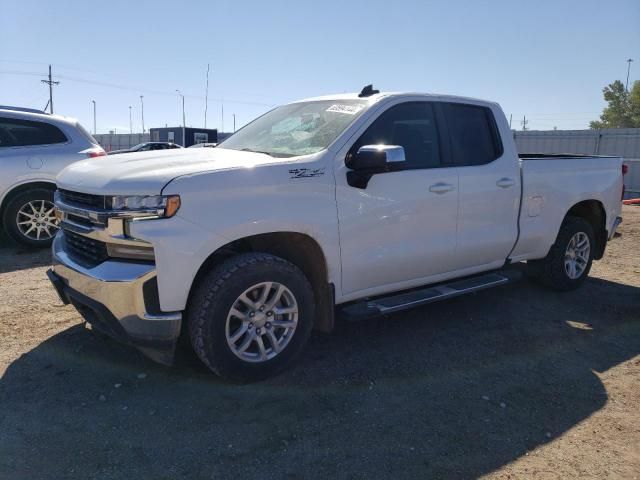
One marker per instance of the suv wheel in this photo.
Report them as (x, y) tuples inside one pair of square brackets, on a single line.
[(569, 260), (29, 218), (251, 316)]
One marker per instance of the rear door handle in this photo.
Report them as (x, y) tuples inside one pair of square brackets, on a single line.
[(441, 188), (506, 182)]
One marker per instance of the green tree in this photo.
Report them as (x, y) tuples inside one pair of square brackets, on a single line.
[(623, 109), (634, 98)]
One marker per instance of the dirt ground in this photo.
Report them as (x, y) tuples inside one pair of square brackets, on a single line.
[(514, 382)]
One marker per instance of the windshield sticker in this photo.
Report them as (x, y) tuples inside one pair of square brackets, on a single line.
[(306, 172), (348, 109)]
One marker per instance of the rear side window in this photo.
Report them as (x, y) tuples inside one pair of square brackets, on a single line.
[(411, 125), (473, 134), (22, 133)]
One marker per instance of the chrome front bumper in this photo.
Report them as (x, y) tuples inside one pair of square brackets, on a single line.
[(119, 298)]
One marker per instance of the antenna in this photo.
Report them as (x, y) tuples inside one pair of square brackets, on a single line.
[(368, 91)]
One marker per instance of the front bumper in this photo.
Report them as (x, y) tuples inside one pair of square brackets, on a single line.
[(119, 298)]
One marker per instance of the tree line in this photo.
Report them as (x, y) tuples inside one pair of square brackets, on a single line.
[(623, 107)]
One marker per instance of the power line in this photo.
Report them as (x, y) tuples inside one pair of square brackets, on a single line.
[(138, 89)]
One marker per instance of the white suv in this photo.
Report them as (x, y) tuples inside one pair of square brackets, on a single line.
[(34, 147)]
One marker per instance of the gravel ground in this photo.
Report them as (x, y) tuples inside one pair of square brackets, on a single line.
[(512, 382)]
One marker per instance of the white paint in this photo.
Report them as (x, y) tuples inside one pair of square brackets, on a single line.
[(407, 228), (40, 163)]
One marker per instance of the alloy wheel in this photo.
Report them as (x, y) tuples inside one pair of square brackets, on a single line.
[(262, 322), (36, 220), (576, 257)]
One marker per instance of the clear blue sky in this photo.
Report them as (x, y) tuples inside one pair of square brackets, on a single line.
[(546, 59)]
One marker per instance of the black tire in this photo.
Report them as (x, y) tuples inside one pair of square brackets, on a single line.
[(10, 222), (550, 271), (217, 292)]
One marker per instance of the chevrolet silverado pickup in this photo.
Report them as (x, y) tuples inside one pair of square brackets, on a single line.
[(365, 204)]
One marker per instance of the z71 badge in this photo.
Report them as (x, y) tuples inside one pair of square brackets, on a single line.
[(306, 172)]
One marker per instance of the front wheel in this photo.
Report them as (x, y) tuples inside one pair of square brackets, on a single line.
[(251, 316), (569, 260)]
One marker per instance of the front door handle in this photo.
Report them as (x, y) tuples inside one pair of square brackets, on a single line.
[(506, 182), (441, 188)]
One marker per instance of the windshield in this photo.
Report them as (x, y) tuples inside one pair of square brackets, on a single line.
[(296, 129)]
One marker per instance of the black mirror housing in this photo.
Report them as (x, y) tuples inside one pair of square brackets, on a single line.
[(368, 160), (375, 158)]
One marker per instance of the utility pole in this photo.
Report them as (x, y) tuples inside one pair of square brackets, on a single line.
[(184, 122), (524, 123), (510, 118), (222, 122), (51, 83), (130, 121), (94, 117), (206, 98), (142, 106), (234, 123), (629, 60)]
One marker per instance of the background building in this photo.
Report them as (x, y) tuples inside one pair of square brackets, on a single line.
[(192, 135)]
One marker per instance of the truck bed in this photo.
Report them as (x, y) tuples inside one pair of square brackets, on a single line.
[(558, 156), (551, 183)]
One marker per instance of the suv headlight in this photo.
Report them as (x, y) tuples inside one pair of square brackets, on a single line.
[(145, 206)]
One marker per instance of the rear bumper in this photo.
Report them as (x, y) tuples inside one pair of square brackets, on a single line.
[(616, 224), (119, 298)]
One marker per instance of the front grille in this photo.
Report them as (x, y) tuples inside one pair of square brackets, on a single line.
[(82, 199), (87, 250)]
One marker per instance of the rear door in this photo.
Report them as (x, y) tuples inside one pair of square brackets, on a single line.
[(489, 186), (401, 227)]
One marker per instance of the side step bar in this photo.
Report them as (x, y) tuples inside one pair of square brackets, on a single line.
[(402, 301)]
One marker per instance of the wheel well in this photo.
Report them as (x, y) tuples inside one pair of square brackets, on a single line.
[(23, 188), (593, 212), (299, 249)]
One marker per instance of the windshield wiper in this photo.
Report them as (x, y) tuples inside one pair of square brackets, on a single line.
[(255, 151)]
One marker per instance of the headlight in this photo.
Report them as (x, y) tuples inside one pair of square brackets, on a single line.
[(145, 206)]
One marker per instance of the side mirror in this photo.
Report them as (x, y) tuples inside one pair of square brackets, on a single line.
[(374, 158)]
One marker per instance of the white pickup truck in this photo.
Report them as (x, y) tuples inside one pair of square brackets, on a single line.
[(370, 202)]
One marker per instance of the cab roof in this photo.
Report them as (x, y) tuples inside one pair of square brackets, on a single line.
[(379, 96)]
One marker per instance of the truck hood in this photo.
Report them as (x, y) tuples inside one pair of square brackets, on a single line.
[(146, 173)]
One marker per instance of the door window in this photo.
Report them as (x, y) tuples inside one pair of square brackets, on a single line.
[(410, 125), (473, 133), (22, 133)]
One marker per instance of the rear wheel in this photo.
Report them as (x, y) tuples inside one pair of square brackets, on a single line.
[(29, 218), (569, 260), (251, 316)]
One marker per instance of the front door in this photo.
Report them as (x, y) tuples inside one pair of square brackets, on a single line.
[(401, 227)]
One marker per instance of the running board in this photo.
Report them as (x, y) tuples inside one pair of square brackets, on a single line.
[(402, 301)]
